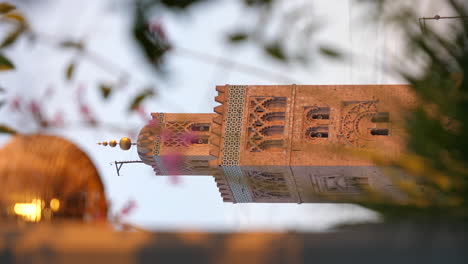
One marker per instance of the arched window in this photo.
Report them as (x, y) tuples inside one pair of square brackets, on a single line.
[(272, 130), (318, 113), (274, 116), (317, 132), (379, 132)]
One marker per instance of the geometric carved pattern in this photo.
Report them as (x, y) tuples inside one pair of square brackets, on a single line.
[(356, 122), (177, 134), (268, 185), (185, 133), (231, 144), (233, 125), (237, 183), (159, 167), (159, 125), (266, 124)]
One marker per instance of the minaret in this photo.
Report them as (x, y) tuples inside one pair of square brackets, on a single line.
[(288, 143)]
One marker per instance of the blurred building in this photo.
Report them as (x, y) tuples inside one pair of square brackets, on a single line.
[(293, 143), (385, 243), (45, 178)]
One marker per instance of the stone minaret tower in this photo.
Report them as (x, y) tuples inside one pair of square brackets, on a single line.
[(287, 143)]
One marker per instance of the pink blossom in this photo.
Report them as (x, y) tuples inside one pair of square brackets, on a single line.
[(157, 29), (128, 208), (142, 113), (165, 134), (16, 103), (153, 122), (172, 163), (58, 120), (87, 115), (34, 107), (84, 110), (189, 137)]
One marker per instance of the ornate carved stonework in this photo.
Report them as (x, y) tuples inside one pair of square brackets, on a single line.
[(266, 124), (356, 122), (281, 143), (185, 133), (339, 184), (268, 185)]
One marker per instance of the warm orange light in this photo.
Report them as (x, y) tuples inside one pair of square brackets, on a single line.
[(29, 211), (54, 204)]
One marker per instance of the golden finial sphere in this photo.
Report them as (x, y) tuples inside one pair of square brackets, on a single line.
[(104, 143), (125, 143), (112, 143)]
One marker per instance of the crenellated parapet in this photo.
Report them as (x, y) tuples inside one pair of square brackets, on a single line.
[(217, 126)]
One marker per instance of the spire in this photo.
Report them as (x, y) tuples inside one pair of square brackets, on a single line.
[(125, 143)]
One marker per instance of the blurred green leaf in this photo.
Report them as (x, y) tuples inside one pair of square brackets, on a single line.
[(18, 17), (151, 38), (106, 90), (13, 36), (330, 52), (73, 44), (258, 2), (238, 37), (276, 51), (6, 7), (7, 130), (70, 70), (181, 4), (5, 64), (137, 100)]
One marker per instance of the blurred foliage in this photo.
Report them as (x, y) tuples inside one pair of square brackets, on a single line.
[(7, 130), (9, 15), (70, 70), (106, 90), (140, 97), (6, 7), (5, 63), (287, 37), (437, 162)]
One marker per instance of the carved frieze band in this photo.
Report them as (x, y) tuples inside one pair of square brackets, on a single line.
[(157, 144), (237, 182), (232, 144)]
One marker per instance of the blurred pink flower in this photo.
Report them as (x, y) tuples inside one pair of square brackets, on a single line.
[(128, 208), (153, 122), (84, 110), (165, 134), (157, 30), (86, 114), (16, 103), (34, 107), (58, 120), (35, 110), (142, 113), (172, 163), (189, 137)]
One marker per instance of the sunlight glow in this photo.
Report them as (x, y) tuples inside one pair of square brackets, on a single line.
[(29, 211)]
